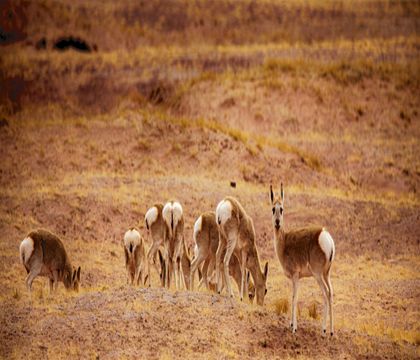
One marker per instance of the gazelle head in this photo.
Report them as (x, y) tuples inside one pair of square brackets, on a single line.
[(250, 286), (261, 288), (277, 204), (71, 279)]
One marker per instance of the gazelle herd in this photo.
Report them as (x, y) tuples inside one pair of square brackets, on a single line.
[(224, 246)]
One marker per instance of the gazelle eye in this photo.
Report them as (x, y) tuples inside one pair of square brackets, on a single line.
[(274, 210), (281, 211)]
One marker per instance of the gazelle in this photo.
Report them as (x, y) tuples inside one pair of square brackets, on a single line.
[(206, 239), (43, 254), (185, 264), (135, 257), (155, 226), (237, 235), (303, 253), (173, 240)]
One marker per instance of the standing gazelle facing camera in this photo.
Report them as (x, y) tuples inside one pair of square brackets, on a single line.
[(43, 254), (303, 253)]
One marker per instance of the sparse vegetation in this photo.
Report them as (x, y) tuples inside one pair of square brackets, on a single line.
[(322, 95)]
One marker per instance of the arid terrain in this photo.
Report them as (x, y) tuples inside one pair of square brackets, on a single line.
[(176, 100)]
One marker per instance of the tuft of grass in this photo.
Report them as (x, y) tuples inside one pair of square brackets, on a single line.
[(143, 145), (40, 294), (312, 311), (176, 147), (16, 294), (281, 306)]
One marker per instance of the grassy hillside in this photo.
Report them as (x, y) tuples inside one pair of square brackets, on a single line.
[(176, 100)]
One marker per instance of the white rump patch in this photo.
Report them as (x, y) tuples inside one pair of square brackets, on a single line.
[(326, 243), (131, 237), (172, 211), (223, 212), (151, 216), (166, 213), (177, 211), (197, 227), (26, 249)]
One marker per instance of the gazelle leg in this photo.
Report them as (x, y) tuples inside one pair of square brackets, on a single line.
[(208, 265), (324, 290), (139, 277), (330, 301), (182, 283), (220, 250), (51, 281), (55, 279), (243, 271), (168, 272), (175, 272), (35, 267), (231, 244), (151, 257), (295, 282), (194, 266)]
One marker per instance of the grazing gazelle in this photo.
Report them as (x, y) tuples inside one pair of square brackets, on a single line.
[(206, 239), (237, 234), (43, 254), (303, 253), (135, 257), (186, 267), (155, 226), (173, 240)]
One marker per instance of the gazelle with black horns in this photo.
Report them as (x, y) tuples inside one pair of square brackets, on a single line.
[(303, 253)]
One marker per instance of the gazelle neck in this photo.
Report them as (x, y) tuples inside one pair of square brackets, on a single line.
[(279, 241), (254, 267)]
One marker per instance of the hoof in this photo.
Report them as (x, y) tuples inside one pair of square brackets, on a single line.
[(218, 292), (331, 333), (294, 331), (241, 299)]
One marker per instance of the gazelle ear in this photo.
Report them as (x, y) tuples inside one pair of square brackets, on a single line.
[(78, 274), (282, 193), (271, 194), (266, 270)]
